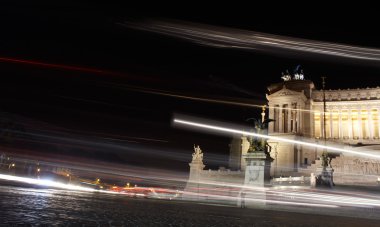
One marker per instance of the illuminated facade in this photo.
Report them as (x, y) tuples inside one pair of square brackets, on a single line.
[(351, 120), (296, 106)]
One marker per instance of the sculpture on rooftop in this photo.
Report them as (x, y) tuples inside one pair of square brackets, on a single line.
[(297, 74)]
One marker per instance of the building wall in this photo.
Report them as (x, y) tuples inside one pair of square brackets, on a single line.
[(297, 107), (351, 170), (238, 147), (352, 117), (349, 121), (285, 155)]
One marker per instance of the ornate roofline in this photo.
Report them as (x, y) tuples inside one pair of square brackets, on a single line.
[(285, 92), (348, 94)]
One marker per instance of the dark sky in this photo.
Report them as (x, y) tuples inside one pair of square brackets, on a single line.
[(91, 115)]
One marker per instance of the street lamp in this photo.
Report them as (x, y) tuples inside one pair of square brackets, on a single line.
[(38, 172), (69, 176), (11, 165)]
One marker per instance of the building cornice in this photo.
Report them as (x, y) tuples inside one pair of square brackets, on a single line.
[(284, 92), (347, 95)]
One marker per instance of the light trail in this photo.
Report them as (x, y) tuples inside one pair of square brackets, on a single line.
[(58, 66), (223, 37), (194, 98), (136, 88), (47, 183), (242, 132), (293, 203), (301, 197), (205, 99)]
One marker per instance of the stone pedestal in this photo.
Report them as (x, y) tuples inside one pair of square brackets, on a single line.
[(257, 174), (196, 168), (324, 176)]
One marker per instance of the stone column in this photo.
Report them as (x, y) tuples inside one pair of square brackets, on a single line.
[(244, 149), (289, 116), (299, 157), (369, 122), (271, 110), (378, 119), (299, 119), (294, 121), (350, 132), (280, 117), (360, 123), (322, 124), (331, 124), (340, 133)]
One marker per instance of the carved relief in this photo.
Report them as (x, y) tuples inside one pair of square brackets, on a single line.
[(368, 167)]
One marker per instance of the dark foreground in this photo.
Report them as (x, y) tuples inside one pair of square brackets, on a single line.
[(58, 207)]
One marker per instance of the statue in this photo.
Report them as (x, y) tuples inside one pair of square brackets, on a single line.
[(297, 74), (330, 159), (260, 144), (325, 159), (301, 75), (286, 77), (197, 155)]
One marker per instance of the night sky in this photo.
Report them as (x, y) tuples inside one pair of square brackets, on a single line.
[(77, 113)]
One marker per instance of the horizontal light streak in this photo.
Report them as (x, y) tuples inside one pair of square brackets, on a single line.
[(223, 37), (48, 183), (237, 131)]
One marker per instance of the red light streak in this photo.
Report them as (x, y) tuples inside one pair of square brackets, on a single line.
[(58, 66)]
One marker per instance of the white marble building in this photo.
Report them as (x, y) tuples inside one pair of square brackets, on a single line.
[(352, 118)]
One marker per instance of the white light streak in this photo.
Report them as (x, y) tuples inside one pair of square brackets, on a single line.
[(230, 130), (223, 37), (47, 183)]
